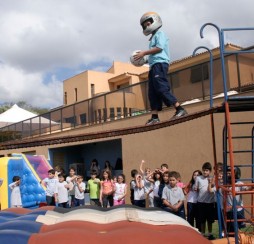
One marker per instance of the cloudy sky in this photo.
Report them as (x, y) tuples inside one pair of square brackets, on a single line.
[(43, 42)]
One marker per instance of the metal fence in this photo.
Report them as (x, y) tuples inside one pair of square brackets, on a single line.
[(186, 84)]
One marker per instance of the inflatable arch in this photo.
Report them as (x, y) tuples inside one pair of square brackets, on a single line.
[(31, 170)]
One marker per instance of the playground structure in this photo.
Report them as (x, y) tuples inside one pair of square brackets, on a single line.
[(31, 170), (231, 152), (230, 159)]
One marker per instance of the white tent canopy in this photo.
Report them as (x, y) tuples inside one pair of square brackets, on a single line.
[(16, 114)]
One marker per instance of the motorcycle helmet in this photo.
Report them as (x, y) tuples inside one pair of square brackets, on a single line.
[(155, 22)]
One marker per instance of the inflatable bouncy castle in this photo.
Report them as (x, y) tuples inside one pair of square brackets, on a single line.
[(31, 170)]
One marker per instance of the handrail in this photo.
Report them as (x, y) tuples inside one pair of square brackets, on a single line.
[(211, 71)]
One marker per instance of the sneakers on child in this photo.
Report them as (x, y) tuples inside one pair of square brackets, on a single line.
[(153, 121), (179, 113), (211, 237)]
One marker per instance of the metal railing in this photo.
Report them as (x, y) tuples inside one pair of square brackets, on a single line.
[(118, 104)]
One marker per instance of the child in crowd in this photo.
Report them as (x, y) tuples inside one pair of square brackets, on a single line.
[(15, 193), (61, 191), (80, 188), (133, 173), (108, 166), (58, 170), (93, 186), (50, 184), (173, 197), (95, 166), (107, 189), (239, 200), (71, 179), (164, 182), (157, 178), (114, 179), (205, 200), (179, 180), (148, 184), (217, 196), (120, 190), (139, 191), (192, 197), (164, 168)]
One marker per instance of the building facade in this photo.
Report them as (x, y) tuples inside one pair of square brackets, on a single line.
[(98, 102)]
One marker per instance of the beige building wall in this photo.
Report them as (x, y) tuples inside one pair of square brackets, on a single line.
[(81, 86), (185, 147)]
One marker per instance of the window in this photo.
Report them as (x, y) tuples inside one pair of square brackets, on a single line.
[(76, 94), (83, 118), (99, 115), (92, 90), (65, 98), (70, 120), (125, 111), (123, 85), (199, 73), (105, 114), (119, 113), (112, 113), (95, 116)]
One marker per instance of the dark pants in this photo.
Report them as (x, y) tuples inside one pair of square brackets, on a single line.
[(79, 202), (157, 202), (63, 205), (180, 212), (140, 203), (107, 199), (205, 212), (50, 201), (230, 225), (192, 215), (159, 88), (95, 202)]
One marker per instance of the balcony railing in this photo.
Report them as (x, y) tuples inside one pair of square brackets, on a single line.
[(127, 102)]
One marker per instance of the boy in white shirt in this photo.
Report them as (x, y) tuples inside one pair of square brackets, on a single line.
[(206, 200), (61, 192), (173, 197), (50, 184), (80, 188)]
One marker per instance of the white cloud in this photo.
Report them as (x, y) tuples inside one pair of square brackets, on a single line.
[(16, 85), (43, 36)]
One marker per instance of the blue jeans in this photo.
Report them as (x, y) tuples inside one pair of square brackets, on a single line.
[(159, 88), (140, 203), (79, 202), (50, 201)]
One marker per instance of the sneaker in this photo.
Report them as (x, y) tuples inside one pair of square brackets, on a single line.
[(211, 237), (179, 113), (153, 121)]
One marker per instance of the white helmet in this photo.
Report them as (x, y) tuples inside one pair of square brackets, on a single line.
[(155, 20)]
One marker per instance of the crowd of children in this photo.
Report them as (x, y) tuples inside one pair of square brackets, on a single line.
[(161, 188)]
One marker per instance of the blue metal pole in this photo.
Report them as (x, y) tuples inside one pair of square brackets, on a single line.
[(211, 71), (221, 43)]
